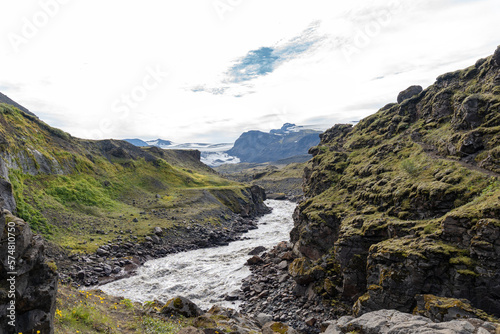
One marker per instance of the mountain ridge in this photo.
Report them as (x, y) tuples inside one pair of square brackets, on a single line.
[(405, 203)]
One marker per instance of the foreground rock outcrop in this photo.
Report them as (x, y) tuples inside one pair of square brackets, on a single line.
[(395, 322), (27, 281), (406, 203)]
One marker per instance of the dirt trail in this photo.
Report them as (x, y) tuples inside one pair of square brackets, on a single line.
[(431, 151)]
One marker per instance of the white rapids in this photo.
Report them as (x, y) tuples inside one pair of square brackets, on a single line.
[(205, 276)]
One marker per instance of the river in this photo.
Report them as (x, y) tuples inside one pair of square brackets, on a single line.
[(206, 275)]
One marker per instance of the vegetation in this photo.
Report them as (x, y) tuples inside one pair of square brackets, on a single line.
[(81, 194)]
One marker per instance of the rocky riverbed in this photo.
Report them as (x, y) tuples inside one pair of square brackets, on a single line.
[(273, 293), (121, 257)]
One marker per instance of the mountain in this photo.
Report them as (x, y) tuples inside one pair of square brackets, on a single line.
[(57, 182), (160, 143), (7, 100), (289, 141), (137, 142), (402, 211)]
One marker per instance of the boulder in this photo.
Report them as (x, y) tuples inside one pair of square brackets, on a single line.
[(264, 318), (277, 327), (257, 250), (409, 92), (254, 260), (180, 306), (158, 230), (446, 309)]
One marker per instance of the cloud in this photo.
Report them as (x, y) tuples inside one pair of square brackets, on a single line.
[(263, 61)]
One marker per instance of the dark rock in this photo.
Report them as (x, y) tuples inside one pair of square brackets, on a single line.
[(257, 250), (102, 252), (180, 306), (135, 220), (35, 283), (158, 231), (409, 92), (311, 321), (496, 57), (254, 260)]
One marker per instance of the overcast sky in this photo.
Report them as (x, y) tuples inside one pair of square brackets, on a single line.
[(208, 70)]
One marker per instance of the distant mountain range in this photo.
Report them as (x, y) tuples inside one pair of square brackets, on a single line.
[(253, 146)]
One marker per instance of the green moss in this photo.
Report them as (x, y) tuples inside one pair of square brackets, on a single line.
[(178, 303), (279, 327)]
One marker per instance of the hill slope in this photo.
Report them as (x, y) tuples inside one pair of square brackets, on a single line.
[(81, 193), (406, 203)]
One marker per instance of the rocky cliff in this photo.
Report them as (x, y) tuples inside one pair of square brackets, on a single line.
[(289, 141), (407, 202), (28, 283)]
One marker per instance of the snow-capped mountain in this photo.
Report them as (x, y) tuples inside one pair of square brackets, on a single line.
[(212, 155)]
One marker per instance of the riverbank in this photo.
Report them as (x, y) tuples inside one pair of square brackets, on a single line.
[(122, 256), (271, 291), (206, 276)]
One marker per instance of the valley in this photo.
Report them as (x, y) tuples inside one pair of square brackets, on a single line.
[(396, 218)]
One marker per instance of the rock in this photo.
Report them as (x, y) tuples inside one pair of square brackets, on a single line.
[(135, 220), (180, 306), (233, 295), (204, 322), (254, 260), (257, 250), (158, 231), (283, 265), (496, 57), (301, 271), (409, 92), (102, 252), (7, 200), (311, 321), (190, 330), (287, 256), (277, 327), (392, 321), (35, 283), (80, 274), (446, 309), (264, 318), (277, 196)]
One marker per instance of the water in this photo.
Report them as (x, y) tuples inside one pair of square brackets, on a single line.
[(205, 276)]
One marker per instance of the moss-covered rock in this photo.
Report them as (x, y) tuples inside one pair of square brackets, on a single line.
[(407, 200), (447, 309), (180, 306)]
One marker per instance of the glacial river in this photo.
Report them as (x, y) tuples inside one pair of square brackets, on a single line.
[(205, 276)]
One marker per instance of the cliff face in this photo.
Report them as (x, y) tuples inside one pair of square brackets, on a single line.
[(33, 287), (258, 146), (406, 203)]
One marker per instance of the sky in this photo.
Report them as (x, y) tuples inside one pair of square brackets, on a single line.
[(208, 70)]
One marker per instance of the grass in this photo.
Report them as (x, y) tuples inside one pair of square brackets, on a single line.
[(89, 195), (151, 325)]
